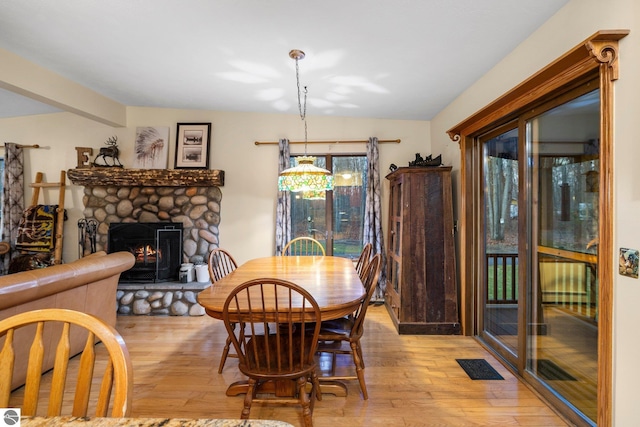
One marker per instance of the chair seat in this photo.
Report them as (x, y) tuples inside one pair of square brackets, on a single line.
[(334, 346), (262, 353), (343, 326)]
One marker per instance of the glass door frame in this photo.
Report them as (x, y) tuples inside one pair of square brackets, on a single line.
[(597, 56)]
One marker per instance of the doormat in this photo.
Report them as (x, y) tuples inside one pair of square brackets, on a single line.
[(550, 371), (479, 369)]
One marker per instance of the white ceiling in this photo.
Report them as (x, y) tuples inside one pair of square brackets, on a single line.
[(390, 59)]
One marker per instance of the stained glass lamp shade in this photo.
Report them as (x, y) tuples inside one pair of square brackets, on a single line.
[(305, 177)]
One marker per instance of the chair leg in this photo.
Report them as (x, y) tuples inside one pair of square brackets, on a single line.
[(227, 347), (359, 347), (334, 357), (305, 402), (225, 353), (315, 382), (248, 398), (359, 364)]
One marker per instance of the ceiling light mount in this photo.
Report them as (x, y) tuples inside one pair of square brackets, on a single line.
[(296, 54)]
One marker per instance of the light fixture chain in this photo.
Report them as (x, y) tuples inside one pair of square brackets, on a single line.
[(302, 108), (305, 120), (303, 112)]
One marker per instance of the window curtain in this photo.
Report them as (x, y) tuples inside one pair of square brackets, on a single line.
[(373, 212), (12, 197), (283, 210)]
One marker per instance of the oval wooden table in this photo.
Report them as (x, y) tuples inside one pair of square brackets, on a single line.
[(333, 282)]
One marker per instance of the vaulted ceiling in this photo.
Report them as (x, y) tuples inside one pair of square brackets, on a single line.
[(390, 59)]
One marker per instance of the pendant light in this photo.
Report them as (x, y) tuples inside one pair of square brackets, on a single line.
[(305, 176)]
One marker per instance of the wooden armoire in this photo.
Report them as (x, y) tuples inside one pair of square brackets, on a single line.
[(421, 294)]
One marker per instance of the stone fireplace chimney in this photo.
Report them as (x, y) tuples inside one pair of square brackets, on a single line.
[(189, 196)]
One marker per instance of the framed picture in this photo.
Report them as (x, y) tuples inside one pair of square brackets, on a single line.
[(151, 148), (192, 145)]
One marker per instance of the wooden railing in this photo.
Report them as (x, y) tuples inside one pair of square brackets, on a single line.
[(502, 278), (566, 283)]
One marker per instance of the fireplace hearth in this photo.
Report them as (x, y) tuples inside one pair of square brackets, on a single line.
[(157, 247)]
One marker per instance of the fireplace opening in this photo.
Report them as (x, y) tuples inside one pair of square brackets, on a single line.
[(157, 247)]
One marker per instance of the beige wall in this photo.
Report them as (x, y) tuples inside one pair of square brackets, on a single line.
[(249, 193), (571, 25)]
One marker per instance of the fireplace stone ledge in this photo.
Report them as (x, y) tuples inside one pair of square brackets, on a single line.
[(160, 299), (120, 177)]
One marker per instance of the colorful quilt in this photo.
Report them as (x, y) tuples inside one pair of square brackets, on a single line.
[(36, 230)]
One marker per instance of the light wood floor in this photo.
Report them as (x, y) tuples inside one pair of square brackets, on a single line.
[(413, 380)]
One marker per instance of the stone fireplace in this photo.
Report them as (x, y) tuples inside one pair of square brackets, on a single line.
[(191, 197)]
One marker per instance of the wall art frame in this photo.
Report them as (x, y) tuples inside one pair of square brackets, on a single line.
[(151, 147), (192, 146)]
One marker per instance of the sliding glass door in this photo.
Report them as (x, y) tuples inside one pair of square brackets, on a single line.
[(538, 254), (562, 343)]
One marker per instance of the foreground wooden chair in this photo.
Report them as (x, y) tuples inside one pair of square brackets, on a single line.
[(220, 264), (282, 353), (342, 336), (46, 326), (303, 246)]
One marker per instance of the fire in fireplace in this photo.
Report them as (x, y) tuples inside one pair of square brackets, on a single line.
[(147, 254), (157, 247)]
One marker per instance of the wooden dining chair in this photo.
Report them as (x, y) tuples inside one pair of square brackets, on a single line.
[(220, 264), (342, 336), (303, 246), (49, 332), (364, 259), (282, 353)]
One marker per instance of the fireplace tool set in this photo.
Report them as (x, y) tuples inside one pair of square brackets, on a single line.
[(87, 230)]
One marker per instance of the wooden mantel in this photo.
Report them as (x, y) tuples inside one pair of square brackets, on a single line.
[(120, 177)]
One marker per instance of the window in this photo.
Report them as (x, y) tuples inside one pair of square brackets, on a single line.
[(335, 218)]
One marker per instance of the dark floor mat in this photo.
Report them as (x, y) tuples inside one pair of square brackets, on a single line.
[(479, 369), (550, 371)]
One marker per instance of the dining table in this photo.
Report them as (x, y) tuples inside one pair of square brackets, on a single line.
[(332, 281)]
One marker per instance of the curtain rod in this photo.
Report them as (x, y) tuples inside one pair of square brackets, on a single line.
[(380, 141), (25, 146)]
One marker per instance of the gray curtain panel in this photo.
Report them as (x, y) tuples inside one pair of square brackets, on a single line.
[(373, 212), (12, 197), (283, 209)]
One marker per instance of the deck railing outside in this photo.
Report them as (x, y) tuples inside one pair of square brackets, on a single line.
[(564, 283), (502, 278)]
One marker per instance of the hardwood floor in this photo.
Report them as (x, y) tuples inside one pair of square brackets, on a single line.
[(413, 380)]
